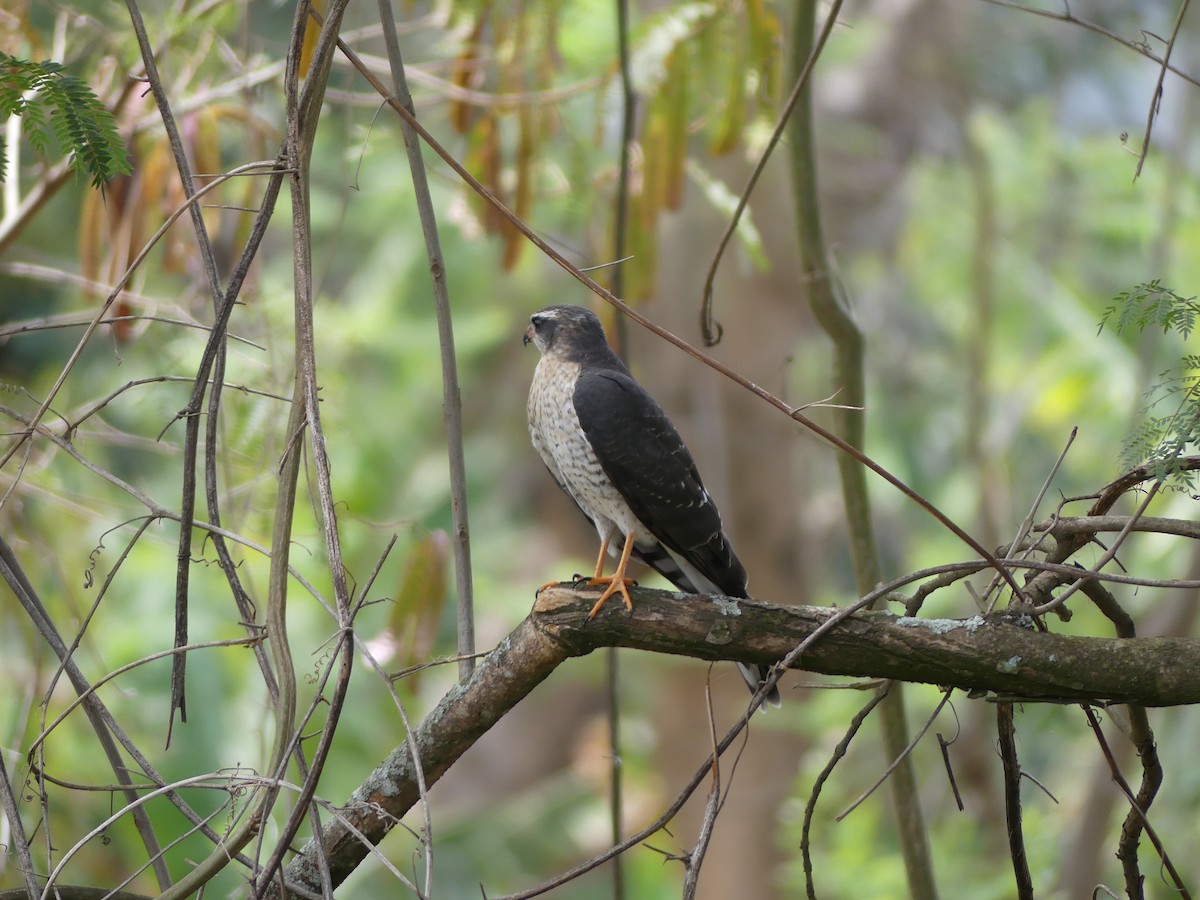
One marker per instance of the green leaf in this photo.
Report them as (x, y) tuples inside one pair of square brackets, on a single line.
[(1160, 440), (45, 94)]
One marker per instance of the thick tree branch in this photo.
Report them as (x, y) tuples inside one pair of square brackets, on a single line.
[(999, 654), (518, 664)]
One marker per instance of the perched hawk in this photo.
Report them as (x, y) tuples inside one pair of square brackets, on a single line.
[(617, 455)]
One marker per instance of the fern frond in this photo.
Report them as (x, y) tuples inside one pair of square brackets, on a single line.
[(1150, 304), (54, 102), (1159, 441)]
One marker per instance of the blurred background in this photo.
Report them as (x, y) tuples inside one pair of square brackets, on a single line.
[(977, 171)]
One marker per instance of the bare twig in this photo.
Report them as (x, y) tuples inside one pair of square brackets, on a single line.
[(121, 670), (1090, 525), (140, 801), (209, 262), (1012, 800), (695, 857), (98, 318), (1156, 97), (96, 406), (708, 328), (1027, 522), (1135, 809), (1105, 557), (508, 673), (214, 357), (451, 398), (1069, 18), (839, 751), (1142, 737), (426, 837), (108, 734), (895, 762), (17, 839)]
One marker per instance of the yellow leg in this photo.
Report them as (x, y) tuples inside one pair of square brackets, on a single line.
[(595, 579), (617, 582), (600, 559)]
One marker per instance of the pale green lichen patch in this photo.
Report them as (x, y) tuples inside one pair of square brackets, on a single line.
[(941, 626), (727, 607), (1010, 665)]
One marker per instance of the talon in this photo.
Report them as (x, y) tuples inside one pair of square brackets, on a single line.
[(617, 582), (615, 586), (542, 587)]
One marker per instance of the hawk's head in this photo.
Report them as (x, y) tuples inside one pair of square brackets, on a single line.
[(570, 332)]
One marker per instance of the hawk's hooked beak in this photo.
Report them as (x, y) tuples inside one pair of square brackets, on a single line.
[(528, 335)]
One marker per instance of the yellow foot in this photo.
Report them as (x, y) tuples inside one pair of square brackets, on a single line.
[(542, 587), (615, 586)]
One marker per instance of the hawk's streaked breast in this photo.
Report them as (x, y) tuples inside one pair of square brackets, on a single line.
[(558, 438)]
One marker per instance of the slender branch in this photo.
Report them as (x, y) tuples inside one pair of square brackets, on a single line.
[(991, 594), (800, 91), (1007, 731), (214, 356), (77, 892), (208, 259), (831, 309), (898, 761), (108, 734), (617, 284), (835, 757), (117, 673), (1091, 525), (712, 806), (1119, 779), (1152, 778), (98, 318), (303, 113), (72, 320), (518, 664), (1142, 737), (17, 839), (161, 512), (1105, 558), (1156, 97), (451, 397), (144, 799), (1069, 18)]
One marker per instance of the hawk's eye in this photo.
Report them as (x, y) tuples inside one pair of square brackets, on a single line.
[(537, 320)]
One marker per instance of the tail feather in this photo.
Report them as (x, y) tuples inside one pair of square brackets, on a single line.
[(754, 676), (660, 559)]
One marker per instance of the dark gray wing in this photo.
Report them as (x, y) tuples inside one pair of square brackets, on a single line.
[(642, 454)]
